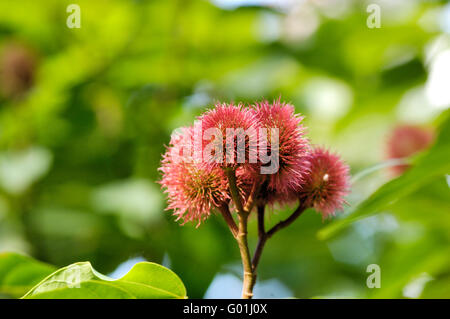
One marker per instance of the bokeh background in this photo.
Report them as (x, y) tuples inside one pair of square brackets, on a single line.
[(85, 114)]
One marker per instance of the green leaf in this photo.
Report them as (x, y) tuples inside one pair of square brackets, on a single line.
[(81, 281), (426, 167), (19, 273)]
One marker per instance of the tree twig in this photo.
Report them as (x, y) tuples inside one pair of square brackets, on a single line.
[(280, 225), (284, 223), (261, 237), (253, 194), (261, 227), (231, 175), (225, 211)]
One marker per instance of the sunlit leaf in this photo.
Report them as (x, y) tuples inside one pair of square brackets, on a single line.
[(19, 273), (80, 280)]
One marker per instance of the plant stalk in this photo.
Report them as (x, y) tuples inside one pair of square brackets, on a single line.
[(231, 175), (249, 274)]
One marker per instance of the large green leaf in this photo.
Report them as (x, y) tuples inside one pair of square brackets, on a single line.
[(81, 281), (428, 166), (19, 273)]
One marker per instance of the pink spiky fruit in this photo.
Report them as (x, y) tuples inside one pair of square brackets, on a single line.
[(407, 140), (327, 183), (193, 190), (292, 148)]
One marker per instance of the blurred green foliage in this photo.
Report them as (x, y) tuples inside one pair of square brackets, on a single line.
[(85, 114)]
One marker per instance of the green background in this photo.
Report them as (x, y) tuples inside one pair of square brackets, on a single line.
[(80, 148)]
